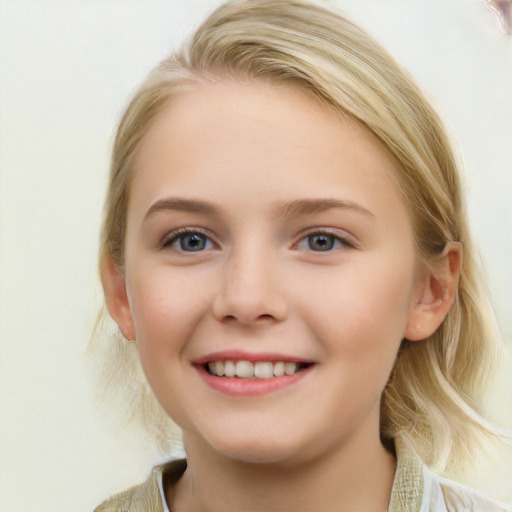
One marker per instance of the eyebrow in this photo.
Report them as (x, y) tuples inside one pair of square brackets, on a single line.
[(309, 206), (284, 210), (182, 205)]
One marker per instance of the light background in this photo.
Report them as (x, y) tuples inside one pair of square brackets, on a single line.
[(67, 69)]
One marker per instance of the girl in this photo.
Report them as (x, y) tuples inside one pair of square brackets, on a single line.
[(286, 245)]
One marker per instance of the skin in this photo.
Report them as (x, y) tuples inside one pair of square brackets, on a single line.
[(260, 285)]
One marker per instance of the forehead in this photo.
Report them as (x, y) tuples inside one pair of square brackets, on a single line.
[(257, 142)]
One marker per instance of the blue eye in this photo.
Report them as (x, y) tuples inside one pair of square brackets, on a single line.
[(322, 242), (189, 242)]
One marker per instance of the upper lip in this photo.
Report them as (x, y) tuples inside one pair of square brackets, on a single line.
[(241, 355)]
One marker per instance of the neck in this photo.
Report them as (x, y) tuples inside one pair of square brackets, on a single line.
[(353, 477)]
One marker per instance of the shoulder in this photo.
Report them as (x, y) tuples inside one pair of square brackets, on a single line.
[(446, 495), (144, 497), (147, 496), (417, 489)]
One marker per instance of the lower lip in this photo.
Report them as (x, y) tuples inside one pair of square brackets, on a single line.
[(235, 386)]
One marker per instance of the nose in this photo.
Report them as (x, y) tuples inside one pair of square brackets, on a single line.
[(250, 292)]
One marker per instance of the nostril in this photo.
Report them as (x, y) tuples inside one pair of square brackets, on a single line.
[(249, 308), (233, 318)]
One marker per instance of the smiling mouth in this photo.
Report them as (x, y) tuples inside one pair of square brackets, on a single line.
[(259, 370)]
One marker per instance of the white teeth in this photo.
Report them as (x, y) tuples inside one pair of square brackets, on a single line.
[(229, 369), (219, 368), (289, 368), (248, 370), (263, 370), (244, 369), (279, 369)]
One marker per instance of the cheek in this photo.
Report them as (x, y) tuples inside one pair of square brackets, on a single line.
[(166, 306), (361, 312), (166, 310)]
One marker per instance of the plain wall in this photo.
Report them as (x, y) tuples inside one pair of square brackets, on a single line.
[(67, 69)]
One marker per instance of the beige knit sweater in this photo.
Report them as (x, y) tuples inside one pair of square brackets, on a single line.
[(415, 489)]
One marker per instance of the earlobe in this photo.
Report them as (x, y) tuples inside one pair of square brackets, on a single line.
[(435, 294), (116, 297)]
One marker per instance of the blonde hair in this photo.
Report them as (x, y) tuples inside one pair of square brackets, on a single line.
[(433, 400)]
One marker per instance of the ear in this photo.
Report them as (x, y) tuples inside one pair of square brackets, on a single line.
[(116, 297), (435, 293)]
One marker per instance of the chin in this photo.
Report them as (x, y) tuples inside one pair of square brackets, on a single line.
[(258, 450)]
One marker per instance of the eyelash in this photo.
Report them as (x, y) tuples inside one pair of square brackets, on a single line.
[(178, 234), (332, 234), (343, 241)]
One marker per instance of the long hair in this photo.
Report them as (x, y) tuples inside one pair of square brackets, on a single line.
[(433, 400)]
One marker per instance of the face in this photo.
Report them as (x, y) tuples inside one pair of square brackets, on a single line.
[(266, 236)]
